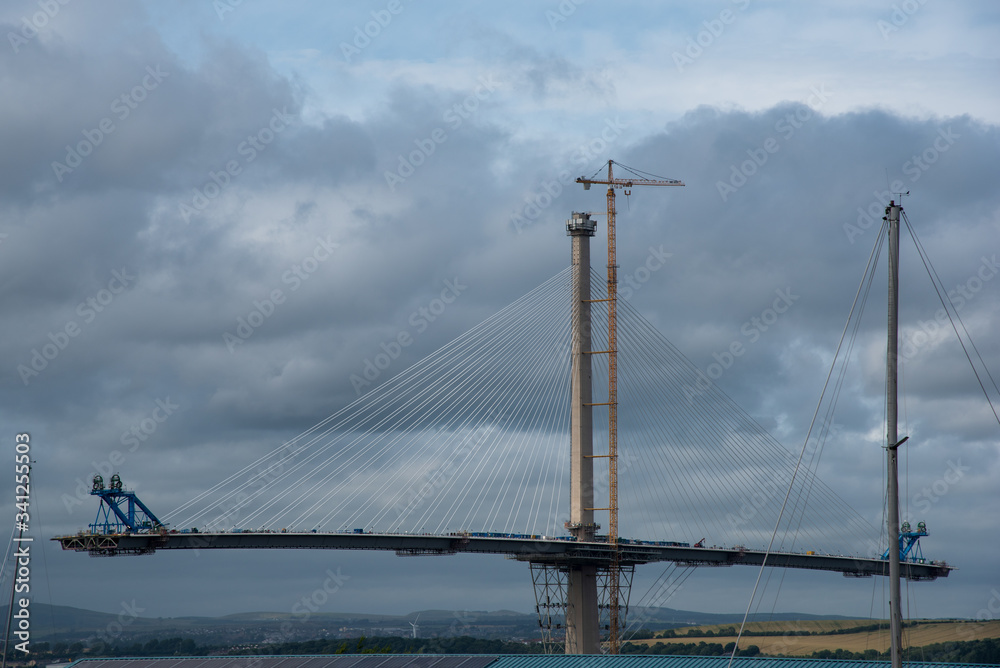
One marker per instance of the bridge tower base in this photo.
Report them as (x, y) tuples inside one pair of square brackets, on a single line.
[(583, 632), (625, 573), (563, 604), (549, 581)]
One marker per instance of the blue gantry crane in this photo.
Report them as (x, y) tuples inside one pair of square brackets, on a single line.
[(120, 511), (909, 543)]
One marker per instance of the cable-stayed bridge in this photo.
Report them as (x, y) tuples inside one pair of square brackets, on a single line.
[(478, 447)]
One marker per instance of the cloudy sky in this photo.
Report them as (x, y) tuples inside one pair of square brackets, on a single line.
[(213, 216)]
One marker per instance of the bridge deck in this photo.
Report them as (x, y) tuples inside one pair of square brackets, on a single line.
[(533, 549)]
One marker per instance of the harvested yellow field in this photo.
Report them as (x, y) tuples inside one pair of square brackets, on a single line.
[(808, 626), (914, 636)]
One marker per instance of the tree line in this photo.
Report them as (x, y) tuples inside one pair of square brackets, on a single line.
[(969, 651)]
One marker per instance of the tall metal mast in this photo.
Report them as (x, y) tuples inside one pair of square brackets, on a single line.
[(892, 442), (612, 352)]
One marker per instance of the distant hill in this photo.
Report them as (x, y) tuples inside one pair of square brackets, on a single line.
[(687, 618), (57, 623)]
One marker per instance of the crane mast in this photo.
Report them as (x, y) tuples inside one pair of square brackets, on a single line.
[(614, 640)]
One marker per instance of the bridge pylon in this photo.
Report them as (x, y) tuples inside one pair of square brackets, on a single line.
[(577, 583), (582, 613)]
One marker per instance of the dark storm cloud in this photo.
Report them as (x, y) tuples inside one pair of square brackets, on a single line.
[(770, 209)]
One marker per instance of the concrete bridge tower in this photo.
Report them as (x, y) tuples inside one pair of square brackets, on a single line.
[(582, 616)]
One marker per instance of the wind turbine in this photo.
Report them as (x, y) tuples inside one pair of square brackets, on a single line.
[(414, 625)]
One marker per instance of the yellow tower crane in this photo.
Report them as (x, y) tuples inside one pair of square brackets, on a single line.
[(635, 179)]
